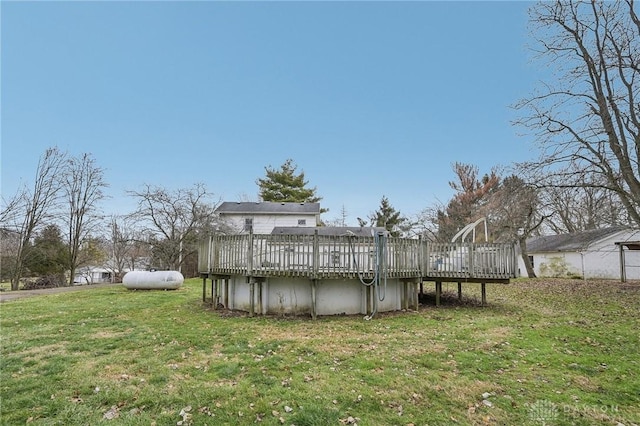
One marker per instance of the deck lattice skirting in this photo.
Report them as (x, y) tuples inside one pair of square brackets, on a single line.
[(347, 256)]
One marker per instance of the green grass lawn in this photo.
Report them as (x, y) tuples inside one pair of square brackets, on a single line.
[(542, 352)]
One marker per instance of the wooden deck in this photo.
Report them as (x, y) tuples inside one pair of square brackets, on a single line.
[(346, 256)]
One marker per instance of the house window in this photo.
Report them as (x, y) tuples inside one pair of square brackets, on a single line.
[(531, 260), (302, 222), (248, 224)]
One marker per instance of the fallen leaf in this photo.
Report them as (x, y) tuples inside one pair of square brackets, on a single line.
[(113, 413)]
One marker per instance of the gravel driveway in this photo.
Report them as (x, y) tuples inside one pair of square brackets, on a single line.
[(7, 296)]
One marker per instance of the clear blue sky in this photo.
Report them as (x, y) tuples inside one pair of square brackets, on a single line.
[(368, 98)]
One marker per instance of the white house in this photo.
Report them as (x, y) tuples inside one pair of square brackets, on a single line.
[(92, 275), (263, 217), (587, 254)]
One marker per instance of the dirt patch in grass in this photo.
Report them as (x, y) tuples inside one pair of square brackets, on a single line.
[(6, 296), (37, 352), (108, 334), (569, 286)]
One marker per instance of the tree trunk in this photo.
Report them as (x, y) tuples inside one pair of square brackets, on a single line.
[(15, 282), (525, 258)]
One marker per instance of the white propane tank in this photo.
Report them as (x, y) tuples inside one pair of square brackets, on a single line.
[(152, 280)]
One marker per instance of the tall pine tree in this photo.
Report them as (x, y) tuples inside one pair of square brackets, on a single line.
[(389, 218), (285, 185)]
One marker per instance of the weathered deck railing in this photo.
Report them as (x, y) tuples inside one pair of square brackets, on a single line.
[(344, 256), (470, 260)]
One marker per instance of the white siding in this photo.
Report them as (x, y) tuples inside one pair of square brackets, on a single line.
[(264, 224), (600, 260), (282, 295), (603, 258), (557, 264)]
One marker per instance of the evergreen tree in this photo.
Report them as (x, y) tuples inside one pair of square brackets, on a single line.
[(284, 185), (389, 218), (48, 255)]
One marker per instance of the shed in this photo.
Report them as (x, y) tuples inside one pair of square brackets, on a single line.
[(587, 254), (634, 247)]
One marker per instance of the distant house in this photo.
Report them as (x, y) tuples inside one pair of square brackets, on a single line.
[(588, 254), (263, 217), (92, 275)]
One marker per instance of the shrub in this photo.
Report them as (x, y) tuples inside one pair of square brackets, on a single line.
[(556, 268), (47, 281)]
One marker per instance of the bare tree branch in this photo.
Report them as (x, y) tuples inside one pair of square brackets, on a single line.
[(34, 206), (173, 219), (83, 185), (588, 117)]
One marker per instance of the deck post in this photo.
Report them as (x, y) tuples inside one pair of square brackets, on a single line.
[(250, 253), (484, 293), (416, 295), (313, 298), (405, 295), (214, 293), (623, 274), (204, 288), (459, 290), (226, 292), (260, 282), (252, 291), (316, 253), (438, 292)]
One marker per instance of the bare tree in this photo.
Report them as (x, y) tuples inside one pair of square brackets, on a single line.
[(582, 208), (83, 186), (587, 116), (515, 213), (425, 223), (340, 220), (120, 245), (32, 207), (127, 245), (10, 209), (466, 206), (174, 220)]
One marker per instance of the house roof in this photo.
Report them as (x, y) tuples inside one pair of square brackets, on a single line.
[(267, 207), (328, 230), (571, 242)]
